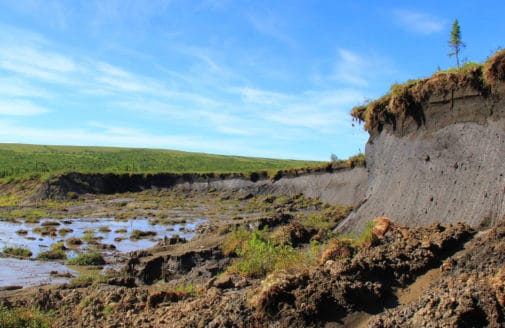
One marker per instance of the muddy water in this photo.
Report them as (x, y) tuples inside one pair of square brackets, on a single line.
[(32, 272)]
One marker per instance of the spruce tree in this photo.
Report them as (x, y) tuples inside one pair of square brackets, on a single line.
[(455, 42)]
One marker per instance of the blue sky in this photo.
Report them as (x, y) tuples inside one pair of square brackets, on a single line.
[(253, 78)]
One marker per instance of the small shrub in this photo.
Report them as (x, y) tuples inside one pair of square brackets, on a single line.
[(92, 258), (17, 251), (122, 230)]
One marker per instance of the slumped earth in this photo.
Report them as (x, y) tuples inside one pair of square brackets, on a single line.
[(234, 259)]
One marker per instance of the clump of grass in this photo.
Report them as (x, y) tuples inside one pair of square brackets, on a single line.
[(327, 219), (45, 231), (49, 224), (186, 288), (56, 252), (236, 239), (121, 230), (104, 229), (494, 68), (74, 241), (91, 258), (52, 255), (88, 236), (139, 234), (260, 256), (22, 232), (17, 251), (23, 317), (64, 231)]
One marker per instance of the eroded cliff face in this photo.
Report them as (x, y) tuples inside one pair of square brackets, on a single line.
[(447, 167), (345, 186)]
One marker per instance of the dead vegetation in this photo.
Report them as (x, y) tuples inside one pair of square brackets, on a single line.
[(407, 99)]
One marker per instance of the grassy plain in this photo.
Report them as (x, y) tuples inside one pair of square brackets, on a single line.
[(18, 160)]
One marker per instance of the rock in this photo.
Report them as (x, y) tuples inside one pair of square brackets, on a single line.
[(223, 282)]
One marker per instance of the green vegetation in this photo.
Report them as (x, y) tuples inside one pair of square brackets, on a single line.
[(92, 258), (24, 318), (455, 42), (406, 100), (31, 216), (19, 160), (17, 251), (258, 255), (236, 239), (326, 219), (186, 288), (139, 234), (104, 229), (56, 252), (64, 231), (74, 241), (88, 236)]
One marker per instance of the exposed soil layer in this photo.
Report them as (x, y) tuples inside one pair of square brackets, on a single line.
[(449, 168), (345, 186)]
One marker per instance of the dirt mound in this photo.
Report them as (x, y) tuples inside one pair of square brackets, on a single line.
[(470, 294)]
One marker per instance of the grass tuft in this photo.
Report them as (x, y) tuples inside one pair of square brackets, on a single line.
[(92, 258)]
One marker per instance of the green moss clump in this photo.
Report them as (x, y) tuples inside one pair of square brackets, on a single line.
[(92, 258), (17, 251)]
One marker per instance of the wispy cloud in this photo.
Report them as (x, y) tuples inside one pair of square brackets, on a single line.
[(268, 24), (99, 134), (418, 21), (16, 87), (17, 107), (352, 69), (317, 110)]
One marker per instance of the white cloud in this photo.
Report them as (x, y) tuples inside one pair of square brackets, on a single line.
[(350, 69), (267, 24), (418, 22), (20, 108), (16, 87), (12, 131)]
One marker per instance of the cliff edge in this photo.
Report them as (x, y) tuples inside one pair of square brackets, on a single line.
[(435, 152)]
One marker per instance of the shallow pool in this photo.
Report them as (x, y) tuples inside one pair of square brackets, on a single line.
[(94, 233)]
